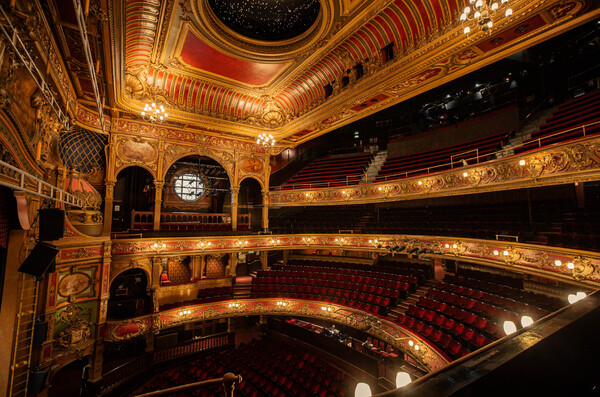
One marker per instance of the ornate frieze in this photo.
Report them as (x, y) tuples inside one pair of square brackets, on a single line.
[(559, 263), (381, 328)]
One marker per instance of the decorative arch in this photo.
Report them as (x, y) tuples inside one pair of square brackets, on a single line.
[(124, 167), (175, 152), (119, 267), (260, 182)]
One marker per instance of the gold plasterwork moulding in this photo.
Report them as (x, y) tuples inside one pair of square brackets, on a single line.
[(576, 161), (572, 266)]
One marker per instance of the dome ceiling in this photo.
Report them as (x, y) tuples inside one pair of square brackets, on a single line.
[(267, 20), (218, 68)]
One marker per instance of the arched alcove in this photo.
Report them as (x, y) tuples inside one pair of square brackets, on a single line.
[(195, 184), (250, 201), (134, 191), (128, 295)]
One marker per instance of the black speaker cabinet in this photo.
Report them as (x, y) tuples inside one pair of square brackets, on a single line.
[(37, 380), (52, 224), (40, 260), (40, 331)]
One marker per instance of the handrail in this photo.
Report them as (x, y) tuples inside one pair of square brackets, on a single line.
[(229, 381), (476, 150), (445, 165), (532, 112), (508, 235)]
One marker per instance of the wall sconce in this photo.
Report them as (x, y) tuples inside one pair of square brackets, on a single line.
[(325, 309), (184, 313), (341, 241), (522, 162), (526, 321), (204, 245), (306, 240), (158, 246), (572, 298)]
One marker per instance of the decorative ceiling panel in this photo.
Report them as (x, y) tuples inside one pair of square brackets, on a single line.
[(210, 77)]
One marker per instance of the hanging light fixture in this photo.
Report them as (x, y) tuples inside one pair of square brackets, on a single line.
[(154, 113), (481, 12), (265, 140)]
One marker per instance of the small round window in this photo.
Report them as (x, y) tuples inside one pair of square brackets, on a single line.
[(189, 187)]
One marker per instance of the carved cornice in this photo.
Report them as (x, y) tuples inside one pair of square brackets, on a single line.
[(571, 162), (379, 327), (529, 258)]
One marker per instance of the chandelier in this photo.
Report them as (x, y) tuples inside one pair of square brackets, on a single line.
[(154, 113), (482, 13), (265, 140)]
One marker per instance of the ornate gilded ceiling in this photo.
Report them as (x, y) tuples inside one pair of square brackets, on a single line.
[(332, 72)]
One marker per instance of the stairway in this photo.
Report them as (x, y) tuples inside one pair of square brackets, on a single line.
[(524, 133), (374, 167), (242, 286), (411, 300)]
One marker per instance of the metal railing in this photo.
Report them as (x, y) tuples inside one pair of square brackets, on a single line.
[(26, 59), (450, 164), (18, 179)]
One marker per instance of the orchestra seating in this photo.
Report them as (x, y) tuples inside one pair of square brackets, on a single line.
[(376, 290), (206, 295), (440, 159), (569, 115), (464, 313), (331, 171), (268, 368)]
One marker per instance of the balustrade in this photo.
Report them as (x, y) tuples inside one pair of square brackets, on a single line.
[(187, 221)]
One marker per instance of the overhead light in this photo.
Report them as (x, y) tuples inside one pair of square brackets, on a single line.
[(572, 298), (482, 15), (362, 390), (154, 113), (526, 321), (402, 379), (509, 327), (265, 140)]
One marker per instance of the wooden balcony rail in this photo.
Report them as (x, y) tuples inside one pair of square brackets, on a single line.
[(136, 366), (190, 221)]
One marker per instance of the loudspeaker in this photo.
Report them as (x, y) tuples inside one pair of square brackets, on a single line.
[(52, 224), (40, 260), (37, 380), (40, 331)]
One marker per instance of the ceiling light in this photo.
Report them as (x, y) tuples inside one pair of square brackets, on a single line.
[(482, 14), (154, 113)]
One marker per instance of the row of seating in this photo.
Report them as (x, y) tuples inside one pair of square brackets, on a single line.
[(332, 171), (206, 295), (545, 302), (385, 288), (440, 159), (267, 368), (521, 308), (569, 115), (311, 277), (361, 301)]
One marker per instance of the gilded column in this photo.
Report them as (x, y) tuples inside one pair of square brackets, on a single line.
[(265, 210), (235, 190), (233, 261), (108, 207), (264, 260), (157, 203)]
